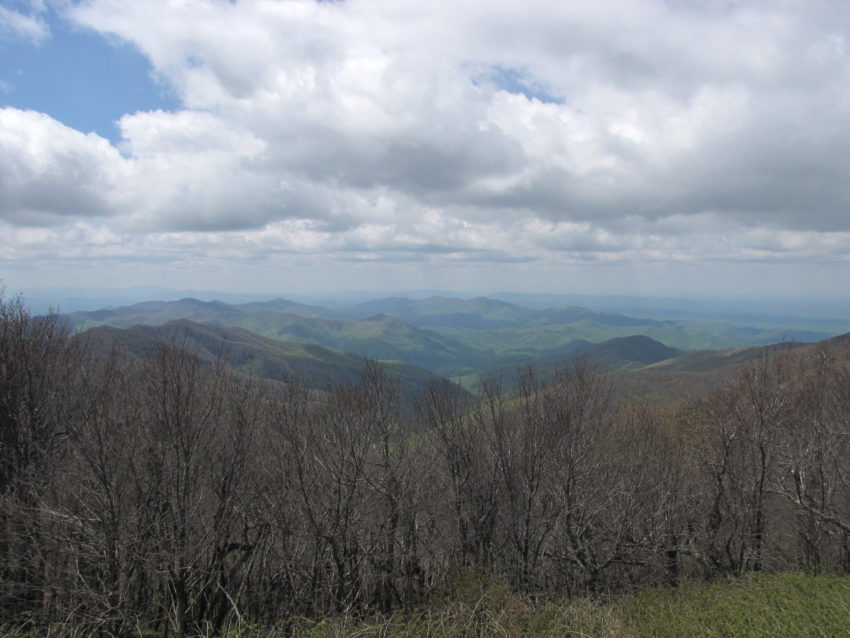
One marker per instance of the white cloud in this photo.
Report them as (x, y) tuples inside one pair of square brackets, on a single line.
[(20, 25), (49, 172), (536, 130)]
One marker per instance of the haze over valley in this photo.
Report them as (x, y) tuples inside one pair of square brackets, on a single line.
[(468, 340)]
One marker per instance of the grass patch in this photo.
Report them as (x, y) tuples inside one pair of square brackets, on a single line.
[(756, 606), (777, 606)]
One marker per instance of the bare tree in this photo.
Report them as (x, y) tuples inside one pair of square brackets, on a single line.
[(198, 436), (746, 419), (467, 477), (39, 402), (814, 470), (580, 404), (526, 443), (96, 524)]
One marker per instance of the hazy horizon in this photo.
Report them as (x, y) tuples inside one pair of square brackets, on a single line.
[(66, 299)]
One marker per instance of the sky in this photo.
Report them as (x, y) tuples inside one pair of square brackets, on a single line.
[(655, 147)]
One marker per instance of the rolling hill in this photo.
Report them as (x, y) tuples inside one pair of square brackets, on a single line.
[(618, 354), (479, 313), (249, 353), (452, 336), (691, 375), (380, 336)]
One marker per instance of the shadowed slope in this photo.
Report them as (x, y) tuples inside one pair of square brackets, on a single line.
[(250, 353)]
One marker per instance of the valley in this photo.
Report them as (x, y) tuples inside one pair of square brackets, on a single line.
[(466, 340)]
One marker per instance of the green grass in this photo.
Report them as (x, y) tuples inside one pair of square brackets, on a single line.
[(757, 606)]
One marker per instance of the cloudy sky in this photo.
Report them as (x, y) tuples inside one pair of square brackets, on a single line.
[(619, 146)]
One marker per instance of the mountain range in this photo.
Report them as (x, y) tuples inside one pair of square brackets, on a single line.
[(442, 334), (248, 353), (464, 339)]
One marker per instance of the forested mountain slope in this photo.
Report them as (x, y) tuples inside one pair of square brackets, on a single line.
[(250, 353), (458, 337), (379, 337)]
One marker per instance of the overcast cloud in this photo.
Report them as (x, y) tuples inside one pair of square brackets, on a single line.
[(628, 132)]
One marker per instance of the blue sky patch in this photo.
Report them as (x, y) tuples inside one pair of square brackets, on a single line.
[(79, 78), (519, 82)]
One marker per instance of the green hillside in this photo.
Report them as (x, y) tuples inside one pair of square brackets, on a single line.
[(379, 337), (620, 353), (463, 338), (542, 340), (478, 313), (252, 354)]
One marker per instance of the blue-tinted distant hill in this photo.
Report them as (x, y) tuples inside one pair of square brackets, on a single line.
[(157, 312), (481, 313), (379, 337), (477, 314), (453, 336), (509, 328), (249, 353)]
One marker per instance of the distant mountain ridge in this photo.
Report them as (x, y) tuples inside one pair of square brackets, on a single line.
[(448, 335), (379, 336), (640, 365), (249, 353), (482, 313)]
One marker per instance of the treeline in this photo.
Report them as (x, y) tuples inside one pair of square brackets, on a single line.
[(179, 498)]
